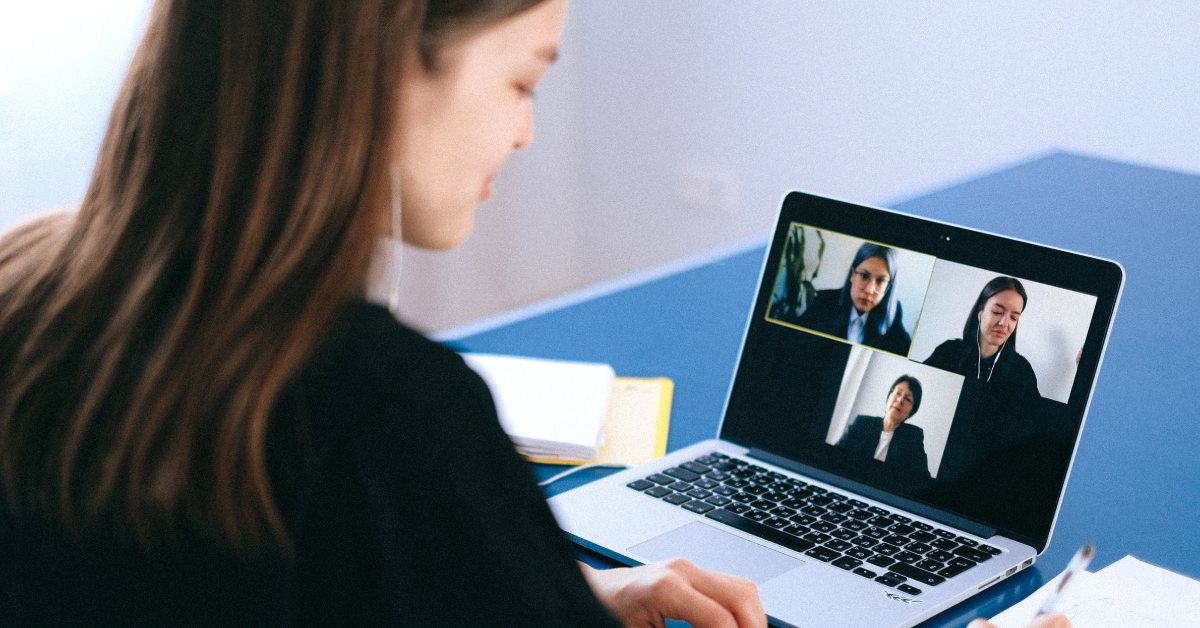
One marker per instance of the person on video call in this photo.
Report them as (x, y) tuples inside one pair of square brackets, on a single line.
[(987, 350), (865, 310), (208, 417), (890, 439)]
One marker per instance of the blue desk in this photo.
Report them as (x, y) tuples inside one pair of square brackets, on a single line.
[(1135, 485)]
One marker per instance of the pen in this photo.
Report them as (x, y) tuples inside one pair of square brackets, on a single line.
[(1079, 563)]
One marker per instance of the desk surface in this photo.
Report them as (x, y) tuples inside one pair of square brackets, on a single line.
[(1135, 485)]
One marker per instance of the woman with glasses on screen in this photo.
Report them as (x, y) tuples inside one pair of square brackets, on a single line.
[(865, 310)]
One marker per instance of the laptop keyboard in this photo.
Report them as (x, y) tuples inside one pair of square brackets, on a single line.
[(869, 541)]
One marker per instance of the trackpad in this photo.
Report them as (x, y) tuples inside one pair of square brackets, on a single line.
[(720, 551)]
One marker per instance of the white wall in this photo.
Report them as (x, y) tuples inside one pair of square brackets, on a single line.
[(675, 126)]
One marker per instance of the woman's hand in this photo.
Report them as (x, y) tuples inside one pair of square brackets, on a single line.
[(1053, 620), (676, 589)]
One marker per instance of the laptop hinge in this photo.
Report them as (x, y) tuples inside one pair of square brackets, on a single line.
[(929, 512)]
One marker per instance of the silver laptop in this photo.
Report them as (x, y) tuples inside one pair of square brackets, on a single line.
[(899, 430)]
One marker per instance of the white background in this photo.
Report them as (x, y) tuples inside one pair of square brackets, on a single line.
[(675, 126)]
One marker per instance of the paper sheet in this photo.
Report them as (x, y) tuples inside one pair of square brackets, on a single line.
[(1127, 594)]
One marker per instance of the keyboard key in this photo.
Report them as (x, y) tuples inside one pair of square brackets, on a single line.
[(738, 522), (886, 549), (736, 508), (695, 467), (659, 491), (918, 574), (864, 541), (681, 487), (796, 530), (803, 519), (756, 489), (698, 507), (922, 536), (944, 544), (899, 518), (844, 534), (880, 561), (917, 547), (953, 570), (744, 498), (757, 515), (856, 503), (970, 553), (698, 493), (736, 483), (823, 553), (847, 563), (922, 526), (777, 522), (907, 557), (994, 551), (959, 561), (841, 507), (939, 555), (968, 542), (861, 514), (875, 533), (659, 478), (717, 476), (836, 496), (902, 529), (855, 525), (945, 534), (896, 539), (816, 537), (815, 511), (887, 580), (781, 511), (881, 522), (859, 553), (682, 474), (640, 485), (864, 572), (709, 460), (706, 484), (877, 510), (726, 491), (824, 526), (818, 490), (895, 576), (909, 589), (930, 565), (718, 500), (676, 498), (762, 504), (820, 500), (839, 545), (833, 517), (794, 504)]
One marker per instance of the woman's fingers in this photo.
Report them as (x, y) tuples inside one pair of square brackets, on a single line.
[(677, 589), (1052, 620)]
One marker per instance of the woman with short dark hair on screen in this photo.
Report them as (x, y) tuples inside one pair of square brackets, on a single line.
[(987, 351), (865, 310), (890, 438)]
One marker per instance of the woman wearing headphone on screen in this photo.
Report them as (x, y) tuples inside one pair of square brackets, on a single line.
[(987, 351), (203, 419)]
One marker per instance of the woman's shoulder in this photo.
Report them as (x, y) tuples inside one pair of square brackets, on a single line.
[(372, 368)]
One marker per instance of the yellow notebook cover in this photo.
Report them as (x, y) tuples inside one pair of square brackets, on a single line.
[(635, 429)]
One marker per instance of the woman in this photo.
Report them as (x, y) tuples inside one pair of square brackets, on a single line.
[(987, 350), (865, 310), (889, 439), (202, 420)]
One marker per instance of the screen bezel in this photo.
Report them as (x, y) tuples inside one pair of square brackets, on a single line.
[(1068, 270)]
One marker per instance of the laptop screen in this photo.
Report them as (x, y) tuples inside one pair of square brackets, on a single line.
[(941, 365)]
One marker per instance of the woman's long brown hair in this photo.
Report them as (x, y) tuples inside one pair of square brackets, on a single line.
[(145, 339)]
